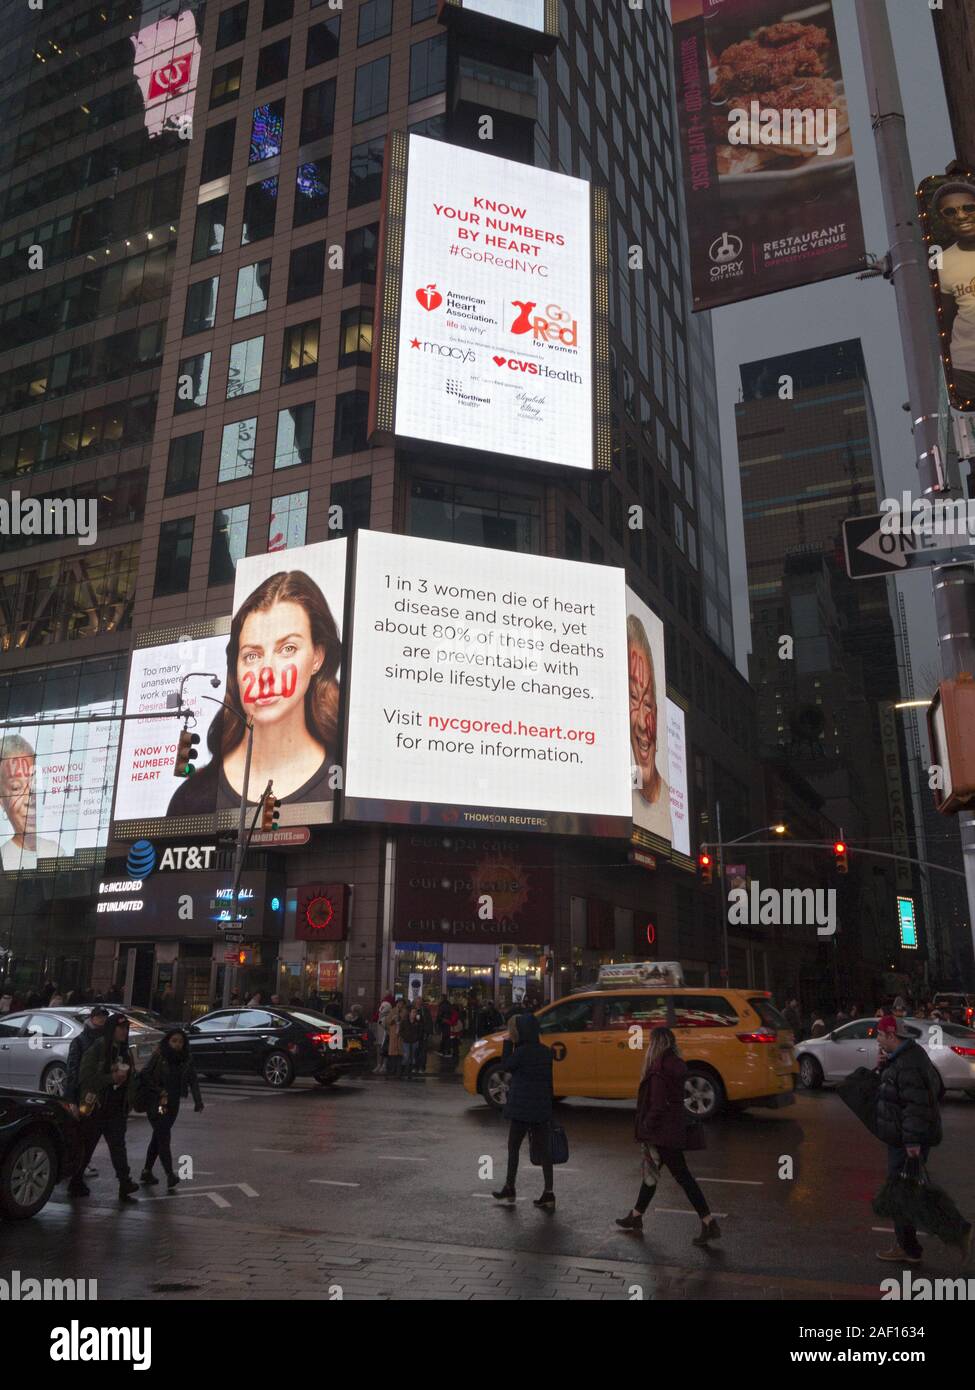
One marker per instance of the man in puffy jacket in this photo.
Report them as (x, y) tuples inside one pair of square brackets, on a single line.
[(529, 1104), (908, 1117), (80, 1043)]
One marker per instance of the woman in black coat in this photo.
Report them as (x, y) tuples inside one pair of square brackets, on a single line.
[(168, 1077), (529, 1103), (661, 1127)]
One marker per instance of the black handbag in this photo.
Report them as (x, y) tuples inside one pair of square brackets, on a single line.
[(910, 1198), (548, 1143)]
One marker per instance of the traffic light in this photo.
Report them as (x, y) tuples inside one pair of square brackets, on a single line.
[(839, 857), (706, 864), (186, 754), (270, 812)]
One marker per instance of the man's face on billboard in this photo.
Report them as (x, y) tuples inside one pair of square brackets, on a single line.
[(958, 210), (643, 711), (17, 792), (276, 662)]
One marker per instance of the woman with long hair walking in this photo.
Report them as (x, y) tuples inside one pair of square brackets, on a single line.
[(169, 1076), (663, 1131)]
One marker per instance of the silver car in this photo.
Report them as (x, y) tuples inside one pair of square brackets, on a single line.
[(834, 1056), (34, 1046)]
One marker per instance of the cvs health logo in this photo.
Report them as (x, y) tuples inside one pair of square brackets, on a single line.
[(514, 364), (556, 325), (163, 81), (429, 297)]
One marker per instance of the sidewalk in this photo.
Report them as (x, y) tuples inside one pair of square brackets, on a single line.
[(135, 1256)]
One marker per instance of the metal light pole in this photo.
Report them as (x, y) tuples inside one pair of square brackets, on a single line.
[(954, 585), (242, 839)]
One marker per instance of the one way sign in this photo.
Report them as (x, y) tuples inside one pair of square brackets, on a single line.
[(871, 552)]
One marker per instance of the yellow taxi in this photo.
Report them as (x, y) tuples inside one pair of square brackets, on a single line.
[(737, 1046)]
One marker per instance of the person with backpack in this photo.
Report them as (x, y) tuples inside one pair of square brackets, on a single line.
[(662, 1129), (167, 1078), (529, 1104), (107, 1087)]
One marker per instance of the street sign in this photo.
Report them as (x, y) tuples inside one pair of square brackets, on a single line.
[(291, 837), (233, 938), (871, 552)]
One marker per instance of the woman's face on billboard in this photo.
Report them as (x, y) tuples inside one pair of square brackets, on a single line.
[(643, 712), (276, 662)]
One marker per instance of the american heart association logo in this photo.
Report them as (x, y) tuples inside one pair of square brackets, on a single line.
[(170, 78), (429, 297), (500, 361)]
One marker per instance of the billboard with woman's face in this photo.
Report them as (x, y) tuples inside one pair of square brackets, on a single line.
[(648, 719), (278, 669)]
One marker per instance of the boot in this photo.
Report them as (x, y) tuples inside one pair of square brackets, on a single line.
[(507, 1195), (895, 1255), (148, 1178), (546, 1201), (630, 1223), (172, 1181), (710, 1230), (125, 1189)]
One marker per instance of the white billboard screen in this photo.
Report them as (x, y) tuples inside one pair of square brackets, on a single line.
[(495, 329), (488, 688), (677, 762), (530, 14), (649, 758)]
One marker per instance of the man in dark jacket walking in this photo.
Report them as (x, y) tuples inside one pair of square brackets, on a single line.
[(908, 1117), (89, 1034), (529, 1103)]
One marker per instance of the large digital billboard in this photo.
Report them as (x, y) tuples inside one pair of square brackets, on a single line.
[(276, 663), (166, 64), (769, 177), (56, 786), (947, 207), (541, 16), (680, 815), (486, 311), (648, 720), (486, 689)]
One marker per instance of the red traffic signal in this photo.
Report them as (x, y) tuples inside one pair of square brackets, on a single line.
[(839, 857), (706, 864)]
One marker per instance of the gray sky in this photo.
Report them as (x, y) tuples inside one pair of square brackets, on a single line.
[(847, 307)]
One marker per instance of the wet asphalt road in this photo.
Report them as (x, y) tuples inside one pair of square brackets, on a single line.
[(405, 1160)]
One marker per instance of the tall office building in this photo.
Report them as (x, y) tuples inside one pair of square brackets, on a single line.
[(824, 656), (240, 299)]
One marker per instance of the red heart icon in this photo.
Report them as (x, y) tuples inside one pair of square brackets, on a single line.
[(429, 297), (500, 361)]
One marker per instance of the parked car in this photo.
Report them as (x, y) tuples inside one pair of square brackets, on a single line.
[(277, 1044), (957, 1008), (737, 1046), (40, 1146), (832, 1057), (34, 1046)]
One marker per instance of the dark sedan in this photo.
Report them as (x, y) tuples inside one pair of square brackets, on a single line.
[(277, 1044), (40, 1146)]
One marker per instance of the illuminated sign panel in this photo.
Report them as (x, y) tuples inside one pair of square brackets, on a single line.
[(487, 340), (488, 689), (166, 66), (528, 14), (648, 716), (907, 924)]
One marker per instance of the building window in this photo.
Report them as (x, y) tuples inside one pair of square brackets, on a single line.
[(317, 112), (228, 544), (323, 43), (211, 225), (355, 337), (361, 252), (428, 67), (433, 127), (260, 210), (351, 422), (218, 151), (244, 371), (173, 557), (296, 426), (371, 90), (289, 518), (237, 450), (183, 466), (232, 25), (573, 537), (423, 9), (475, 515), (225, 85), (353, 497), (267, 131), (366, 172), (311, 191), (276, 12), (272, 63), (375, 20), (300, 356), (201, 305), (253, 288), (306, 271), (192, 381)]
